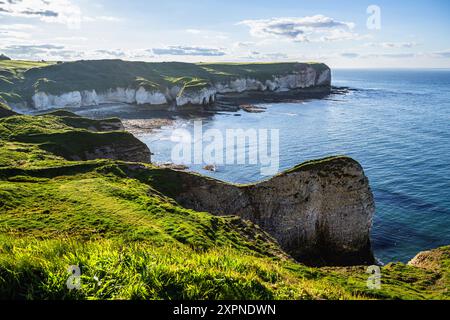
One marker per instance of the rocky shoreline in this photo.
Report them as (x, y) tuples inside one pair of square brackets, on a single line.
[(141, 120), (146, 126)]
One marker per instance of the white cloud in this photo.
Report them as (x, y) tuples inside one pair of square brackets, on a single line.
[(36, 51), (12, 36), (15, 33), (117, 53), (17, 26), (46, 51), (340, 35), (32, 51), (188, 51), (393, 55), (71, 39), (403, 55), (243, 44), (392, 45), (53, 11), (350, 55), (194, 31), (258, 56), (442, 54), (207, 34), (101, 18), (304, 29), (58, 11)]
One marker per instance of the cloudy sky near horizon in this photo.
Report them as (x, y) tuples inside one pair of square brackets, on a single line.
[(410, 34)]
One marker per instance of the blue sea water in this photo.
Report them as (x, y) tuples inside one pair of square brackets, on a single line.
[(396, 123)]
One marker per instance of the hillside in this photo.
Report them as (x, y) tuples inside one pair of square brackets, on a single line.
[(5, 110), (21, 80), (118, 220)]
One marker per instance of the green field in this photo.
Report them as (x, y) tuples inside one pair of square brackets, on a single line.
[(117, 221), (19, 80)]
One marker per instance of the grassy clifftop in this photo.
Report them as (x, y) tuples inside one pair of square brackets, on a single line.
[(5, 110), (133, 241), (20, 79)]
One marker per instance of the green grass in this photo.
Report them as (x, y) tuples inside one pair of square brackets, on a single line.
[(63, 133), (115, 270), (118, 222), (19, 80), (12, 78), (22, 65)]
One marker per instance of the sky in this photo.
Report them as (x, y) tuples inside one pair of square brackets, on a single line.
[(343, 34)]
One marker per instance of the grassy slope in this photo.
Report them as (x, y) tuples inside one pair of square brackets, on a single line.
[(19, 80), (11, 74), (140, 244), (67, 136)]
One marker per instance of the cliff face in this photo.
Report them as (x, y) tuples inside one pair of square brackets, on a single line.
[(120, 146), (320, 212), (43, 101), (305, 77)]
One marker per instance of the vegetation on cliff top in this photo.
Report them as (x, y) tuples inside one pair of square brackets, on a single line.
[(19, 80), (67, 136), (5, 110), (133, 241)]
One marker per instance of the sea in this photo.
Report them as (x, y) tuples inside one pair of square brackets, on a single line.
[(395, 123)]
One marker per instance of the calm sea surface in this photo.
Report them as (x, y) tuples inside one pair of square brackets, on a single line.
[(396, 123)]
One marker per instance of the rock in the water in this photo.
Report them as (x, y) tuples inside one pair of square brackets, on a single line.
[(252, 108), (210, 167), (320, 212)]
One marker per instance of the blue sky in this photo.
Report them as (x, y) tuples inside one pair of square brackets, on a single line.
[(410, 34)]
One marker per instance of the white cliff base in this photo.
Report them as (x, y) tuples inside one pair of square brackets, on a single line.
[(307, 78)]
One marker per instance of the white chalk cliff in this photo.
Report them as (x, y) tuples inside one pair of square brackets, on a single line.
[(306, 78)]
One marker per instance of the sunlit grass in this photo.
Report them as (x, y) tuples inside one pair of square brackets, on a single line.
[(132, 240)]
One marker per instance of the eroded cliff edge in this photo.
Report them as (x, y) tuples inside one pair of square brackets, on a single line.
[(87, 83), (320, 212)]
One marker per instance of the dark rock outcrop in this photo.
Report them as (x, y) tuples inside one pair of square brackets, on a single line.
[(122, 149), (320, 212), (3, 57), (5, 111)]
